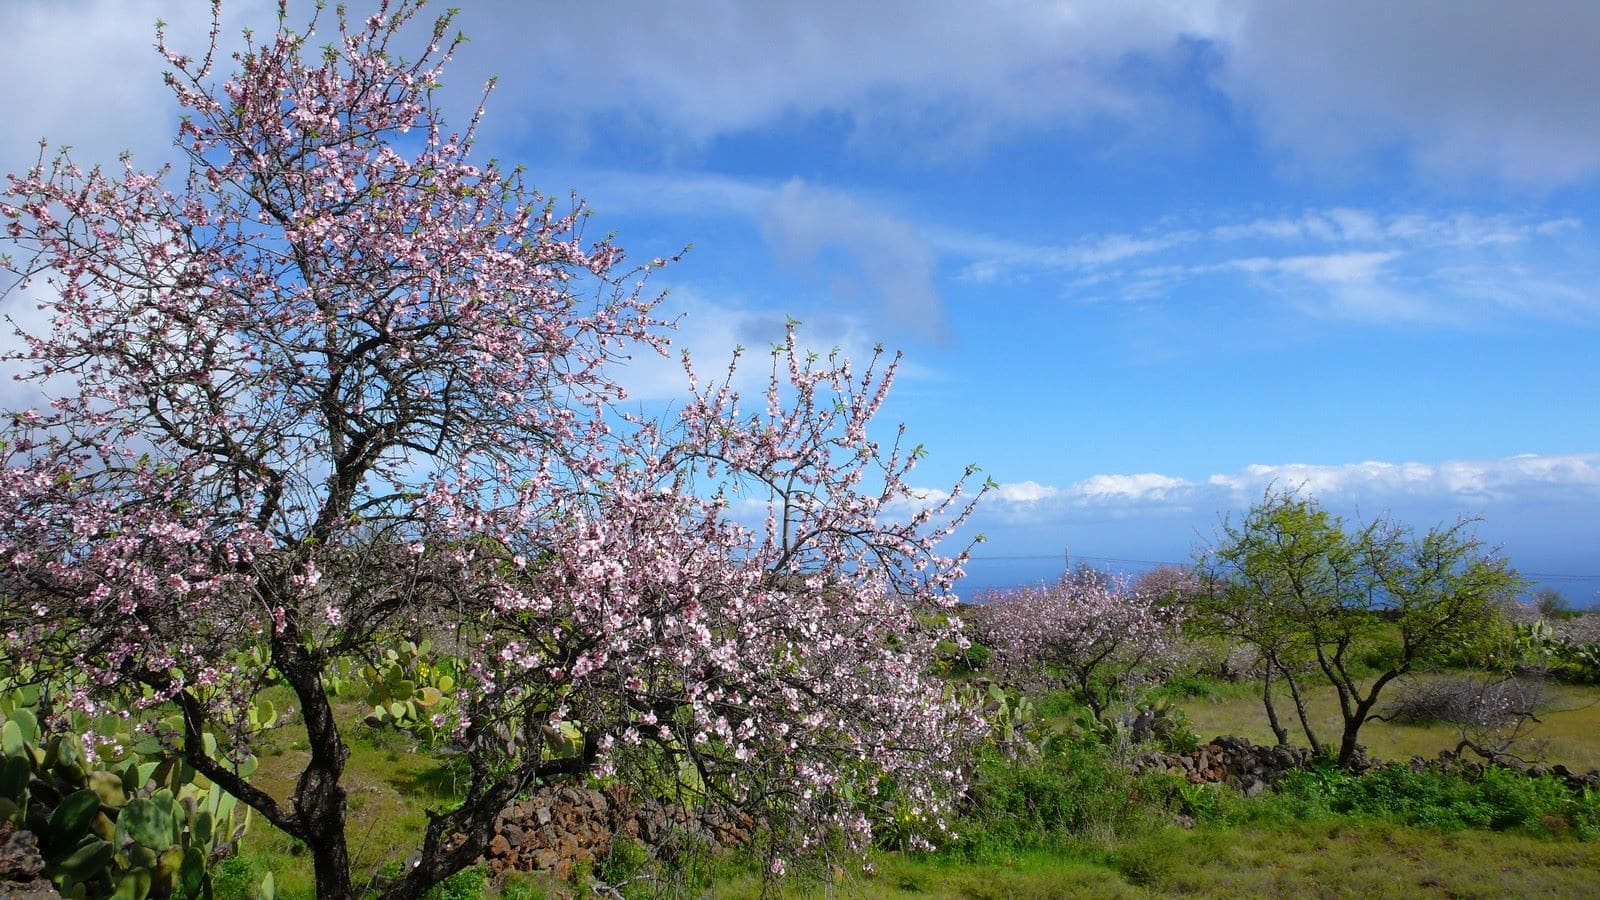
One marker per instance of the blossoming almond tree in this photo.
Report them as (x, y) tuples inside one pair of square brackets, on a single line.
[(334, 383), (1089, 628)]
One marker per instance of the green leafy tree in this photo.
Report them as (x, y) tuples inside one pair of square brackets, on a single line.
[(1264, 573), (1366, 605)]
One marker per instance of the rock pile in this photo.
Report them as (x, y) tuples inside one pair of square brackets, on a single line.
[(1475, 769), (1228, 760), (664, 828), (21, 866), (553, 830), (1252, 769), (558, 828)]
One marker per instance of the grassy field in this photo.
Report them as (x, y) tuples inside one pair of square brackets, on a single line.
[(1321, 858), (390, 786), (1261, 847), (1568, 730)]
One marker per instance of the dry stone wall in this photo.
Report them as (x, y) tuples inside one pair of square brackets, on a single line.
[(1253, 768), (557, 828), (1233, 761)]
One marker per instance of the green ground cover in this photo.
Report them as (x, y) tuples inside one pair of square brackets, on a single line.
[(1069, 821), (1568, 730), (1068, 824)]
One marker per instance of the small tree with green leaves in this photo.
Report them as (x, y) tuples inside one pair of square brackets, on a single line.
[(1296, 584), (1262, 575)]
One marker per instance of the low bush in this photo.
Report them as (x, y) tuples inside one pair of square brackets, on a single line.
[(1149, 859), (1465, 700), (1500, 799), (1049, 801), (467, 884)]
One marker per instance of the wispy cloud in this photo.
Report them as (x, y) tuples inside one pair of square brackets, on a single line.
[(1337, 226), (887, 259), (845, 246), (1457, 268), (711, 329)]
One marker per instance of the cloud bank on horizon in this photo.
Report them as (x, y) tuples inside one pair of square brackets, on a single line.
[(1109, 519), (1469, 483), (1170, 240)]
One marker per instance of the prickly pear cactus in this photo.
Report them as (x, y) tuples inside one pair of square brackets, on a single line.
[(1014, 723), (146, 825), (411, 688)]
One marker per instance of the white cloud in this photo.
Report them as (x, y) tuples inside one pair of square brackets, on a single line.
[(1538, 508), (1463, 89), (1142, 488), (1503, 479), (890, 262), (1032, 500), (1023, 492), (1469, 482), (86, 74)]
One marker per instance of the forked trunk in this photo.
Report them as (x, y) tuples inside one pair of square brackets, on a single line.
[(1278, 731), (1300, 711)]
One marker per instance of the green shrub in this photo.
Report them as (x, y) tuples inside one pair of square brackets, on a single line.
[(624, 862), (522, 886), (1057, 704), (1383, 654), (467, 884), (975, 658), (1192, 686), (235, 876), (1501, 799), (1046, 802), (1585, 818)]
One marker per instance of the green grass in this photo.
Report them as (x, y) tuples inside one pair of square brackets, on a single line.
[(1074, 826), (1324, 857), (1034, 875), (1335, 857), (1566, 732), (390, 785)]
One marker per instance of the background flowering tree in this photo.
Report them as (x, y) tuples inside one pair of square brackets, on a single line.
[(334, 383), (1090, 629)]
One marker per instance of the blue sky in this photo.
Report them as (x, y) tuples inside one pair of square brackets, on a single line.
[(1143, 258)]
